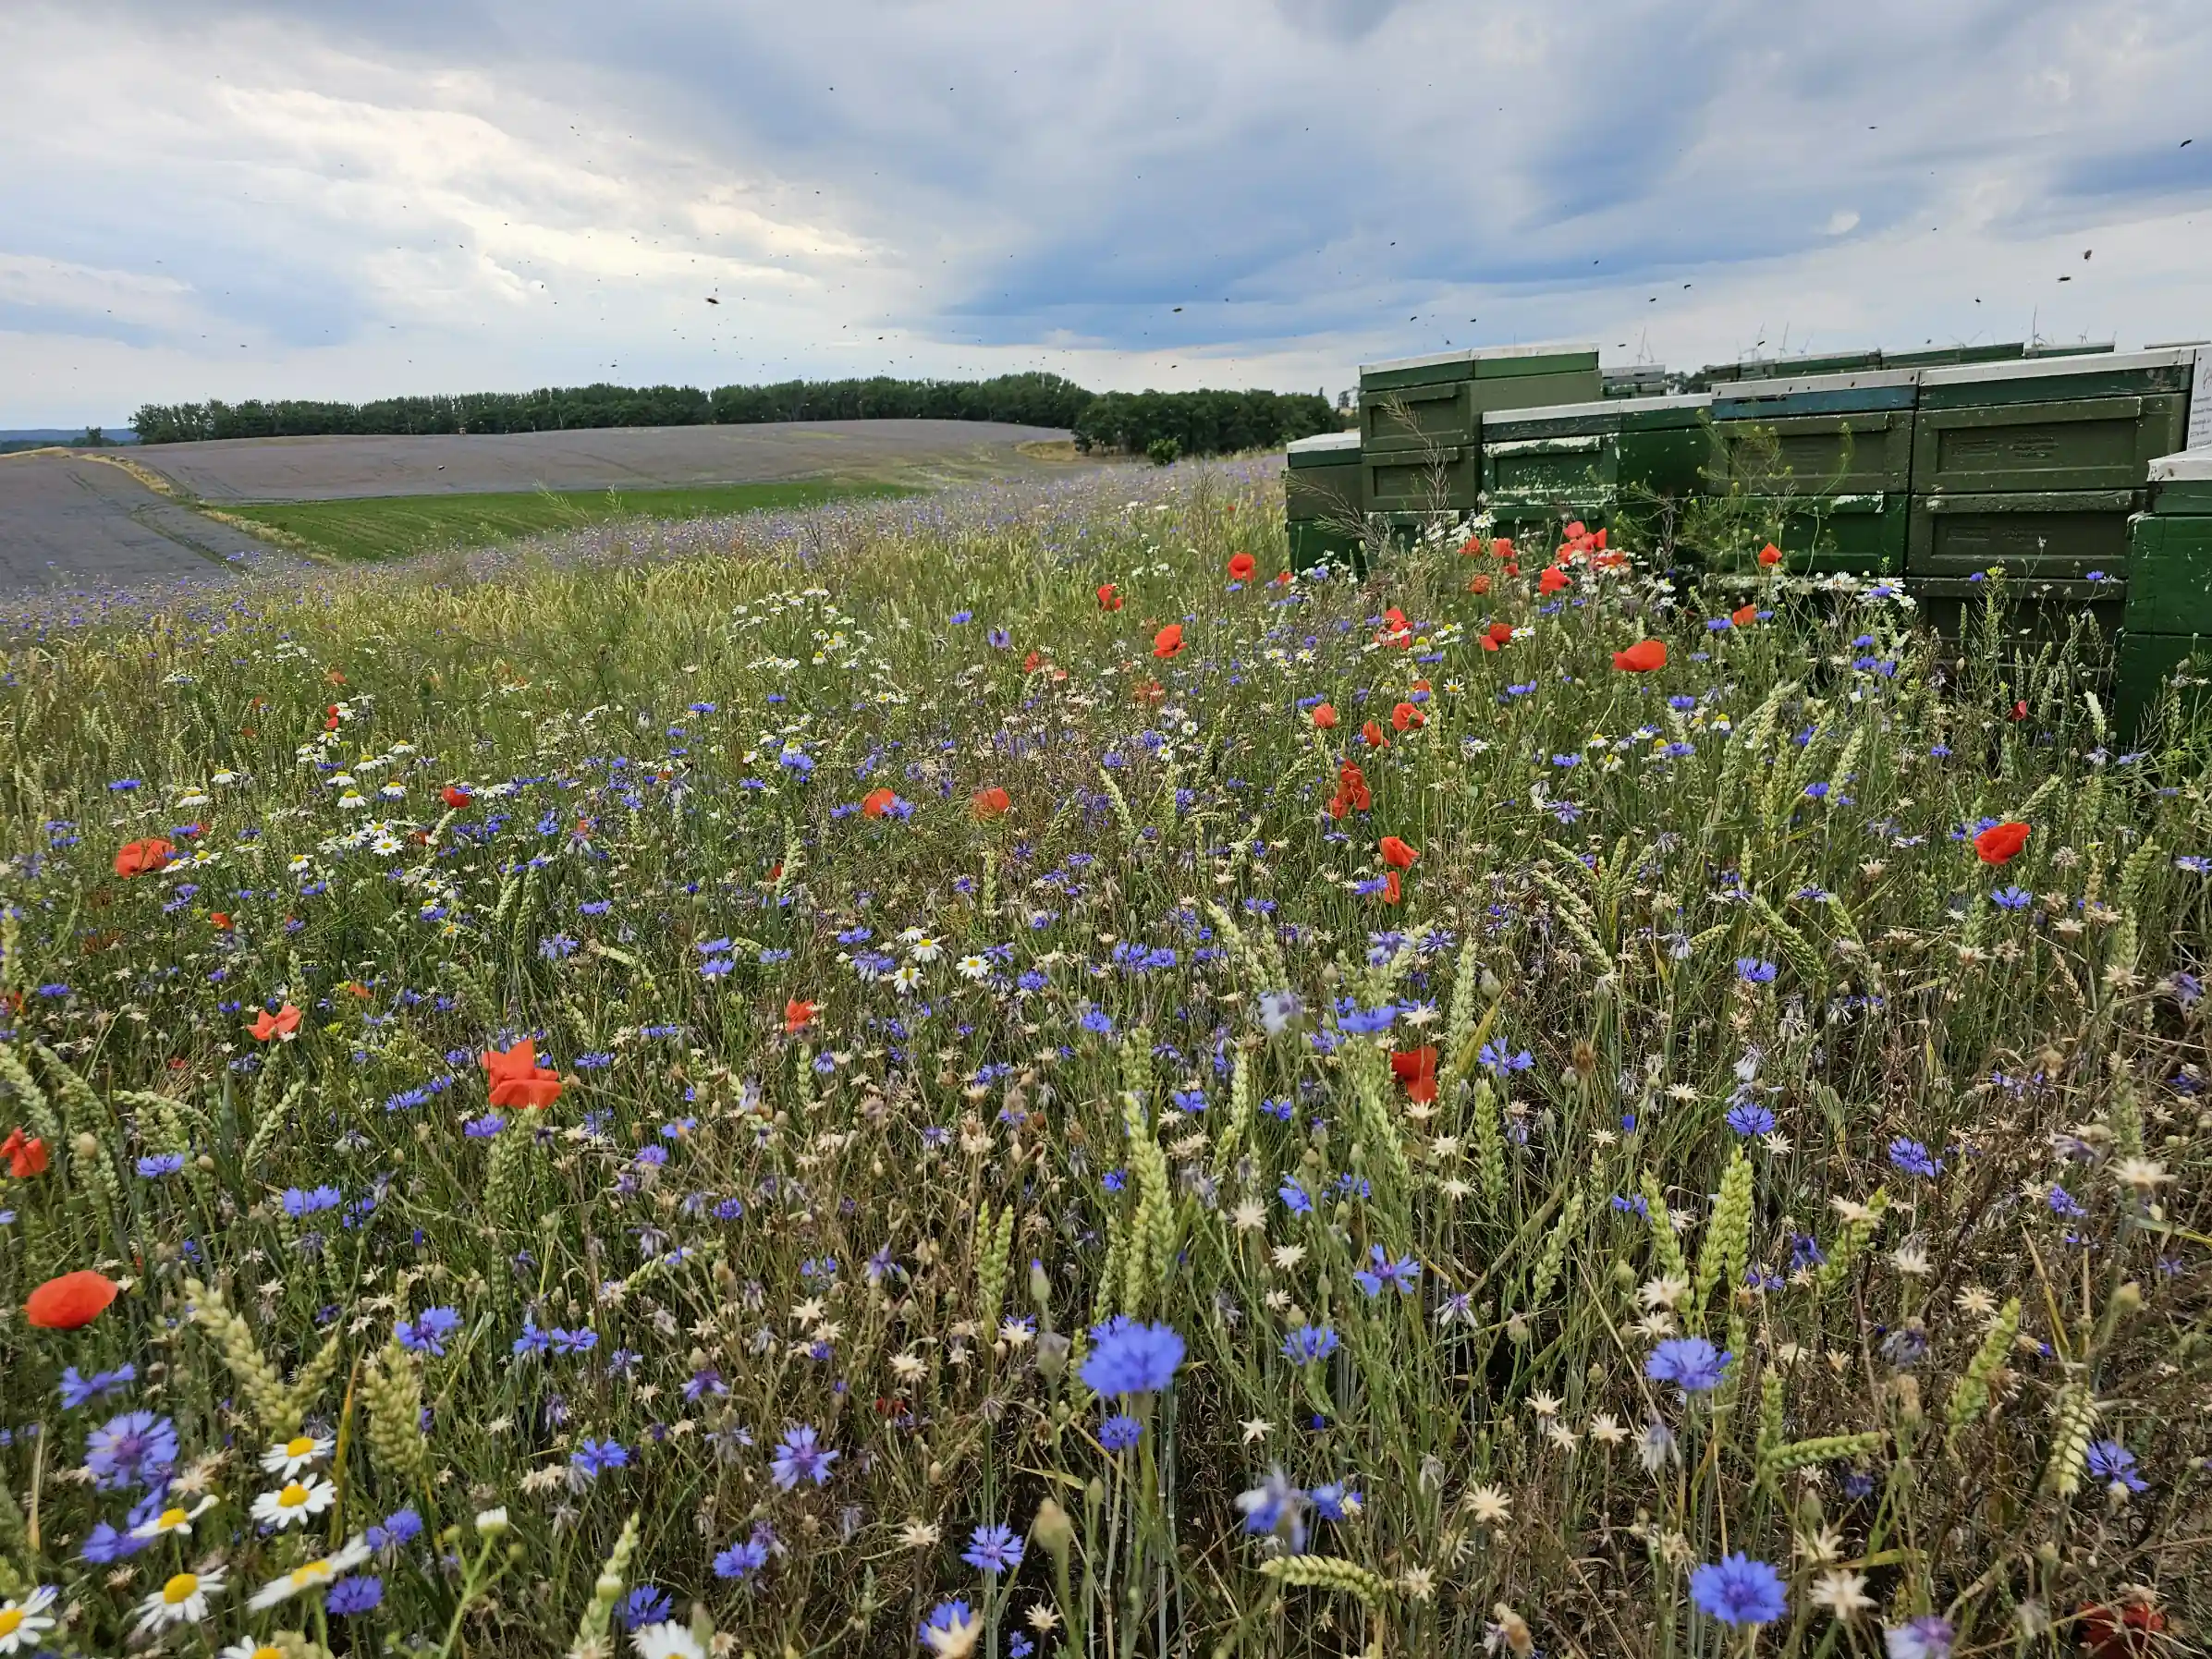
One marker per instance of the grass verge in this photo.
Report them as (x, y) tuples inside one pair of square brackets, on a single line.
[(388, 527)]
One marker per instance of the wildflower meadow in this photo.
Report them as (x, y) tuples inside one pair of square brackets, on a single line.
[(1003, 1075)]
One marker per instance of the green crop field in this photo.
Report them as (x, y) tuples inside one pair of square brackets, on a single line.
[(388, 527), (997, 1074)]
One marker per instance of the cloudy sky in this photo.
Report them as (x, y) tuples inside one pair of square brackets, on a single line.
[(355, 198)]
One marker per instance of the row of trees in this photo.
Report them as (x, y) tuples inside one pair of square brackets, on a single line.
[(1198, 423)]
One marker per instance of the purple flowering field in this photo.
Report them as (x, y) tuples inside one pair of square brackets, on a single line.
[(984, 1075)]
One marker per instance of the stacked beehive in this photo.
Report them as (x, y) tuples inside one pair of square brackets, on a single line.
[(2168, 620)]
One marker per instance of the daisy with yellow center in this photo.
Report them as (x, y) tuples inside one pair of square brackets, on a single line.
[(182, 1601), (23, 1623), (247, 1650), (308, 1575), (176, 1519), (294, 1503), (303, 1451)]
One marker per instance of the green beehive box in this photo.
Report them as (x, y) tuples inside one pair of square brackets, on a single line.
[(1442, 478), (1944, 357), (2169, 556), (1833, 434), (1439, 400), (1849, 535), (2068, 544), (1666, 446), (1321, 477), (2146, 667), (1806, 364), (1551, 456), (2082, 348), (1313, 543), (2051, 423)]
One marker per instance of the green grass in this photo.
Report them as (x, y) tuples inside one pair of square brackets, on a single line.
[(388, 527)]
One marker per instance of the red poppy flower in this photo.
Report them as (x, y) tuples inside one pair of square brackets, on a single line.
[(991, 802), (876, 802), (1108, 600), (518, 1079), (1575, 531), (1398, 854), (2020, 710), (2121, 1632), (142, 857), (1552, 581), (1242, 567), (1513, 568), (1496, 635), (1405, 714), (1351, 791), (1417, 1071), (1470, 546), (26, 1155), (798, 1016), (1481, 584), (1168, 641), (219, 921), (1324, 717), (1598, 541), (1031, 663), (70, 1302), (282, 1023), (2000, 843), (1641, 657), (1372, 733), (456, 798), (1503, 547), (1770, 555), (1393, 890), (1743, 616)]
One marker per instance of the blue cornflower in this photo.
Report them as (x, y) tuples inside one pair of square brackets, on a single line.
[(960, 616), (298, 1204), (1754, 970), (1309, 1343), (1928, 1635), (137, 1449), (594, 1458), (1737, 1590), (1131, 1357), (104, 1545), (799, 1457), (1276, 1507), (1119, 1432), (1001, 639), (1912, 1158), (161, 1164), (1404, 1273), (1096, 1020), (426, 1333), (1335, 1500), (992, 1549), (1500, 1059), (1748, 1117), (647, 1604), (353, 1596), (741, 1560), (2063, 1203), (2011, 899), (2115, 1465), (400, 1528), (1690, 1363), (1294, 1197), (79, 1391)]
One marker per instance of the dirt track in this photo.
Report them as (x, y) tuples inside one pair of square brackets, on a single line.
[(616, 458), (69, 521)]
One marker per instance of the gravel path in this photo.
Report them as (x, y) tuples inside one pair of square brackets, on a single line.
[(617, 458)]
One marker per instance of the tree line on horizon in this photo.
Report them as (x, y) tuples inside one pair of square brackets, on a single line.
[(1203, 422)]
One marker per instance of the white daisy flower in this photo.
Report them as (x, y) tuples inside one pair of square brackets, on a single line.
[(908, 980), (23, 1623), (925, 948), (972, 967), (176, 1518), (294, 1503), (667, 1640), (303, 1451), (182, 1601), (351, 799), (250, 1649), (308, 1575)]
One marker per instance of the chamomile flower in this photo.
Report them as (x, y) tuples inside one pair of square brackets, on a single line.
[(250, 1649), (291, 1505), (667, 1640), (303, 1451), (183, 1599), (972, 967), (309, 1576), (23, 1624), (174, 1520)]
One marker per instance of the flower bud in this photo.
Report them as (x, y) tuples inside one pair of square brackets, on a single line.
[(1053, 1530)]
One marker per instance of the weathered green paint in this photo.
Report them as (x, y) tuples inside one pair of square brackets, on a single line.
[(1855, 453), (2146, 667), (2077, 444), (1322, 479), (1313, 543), (1446, 479), (2170, 574), (1857, 535), (1944, 357), (2057, 378), (1414, 402), (2058, 536)]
